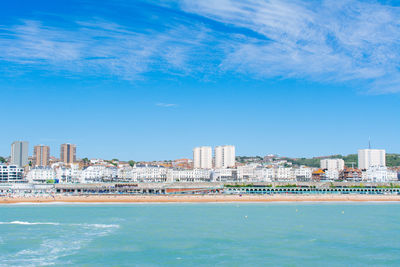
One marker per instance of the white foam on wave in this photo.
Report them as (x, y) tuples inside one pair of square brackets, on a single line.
[(30, 223), (86, 225), (97, 225), (52, 250)]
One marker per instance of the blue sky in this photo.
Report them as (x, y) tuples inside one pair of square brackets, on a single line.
[(150, 80)]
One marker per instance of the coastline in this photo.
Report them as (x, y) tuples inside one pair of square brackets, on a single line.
[(198, 198)]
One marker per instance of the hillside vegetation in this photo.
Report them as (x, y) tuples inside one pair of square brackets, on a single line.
[(392, 160)]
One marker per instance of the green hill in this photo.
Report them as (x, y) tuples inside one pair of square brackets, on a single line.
[(392, 160)]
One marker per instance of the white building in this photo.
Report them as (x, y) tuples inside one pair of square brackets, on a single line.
[(332, 164), (68, 175), (302, 173), (195, 175), (40, 175), (224, 157), (143, 173), (262, 174), (202, 157), (371, 158), (19, 153), (284, 174), (98, 173), (11, 174), (332, 174), (246, 172), (220, 175), (379, 174)]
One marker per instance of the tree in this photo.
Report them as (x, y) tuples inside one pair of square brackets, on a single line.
[(131, 163), (2, 160)]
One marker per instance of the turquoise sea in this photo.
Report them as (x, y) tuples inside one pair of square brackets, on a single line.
[(229, 234)]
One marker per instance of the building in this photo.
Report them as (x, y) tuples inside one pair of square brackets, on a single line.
[(224, 175), (41, 155), (351, 174), (332, 164), (379, 174), (332, 174), (183, 164), (19, 153), (192, 176), (224, 157), (302, 173), (98, 173), (68, 175), (263, 174), (202, 157), (11, 174), (371, 158), (246, 172), (68, 153), (318, 175), (41, 174)]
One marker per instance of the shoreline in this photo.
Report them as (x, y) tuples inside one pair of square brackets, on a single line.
[(199, 199)]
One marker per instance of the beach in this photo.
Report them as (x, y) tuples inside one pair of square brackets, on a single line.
[(195, 198)]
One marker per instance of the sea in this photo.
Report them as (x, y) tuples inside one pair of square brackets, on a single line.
[(200, 234)]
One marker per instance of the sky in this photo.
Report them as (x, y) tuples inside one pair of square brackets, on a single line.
[(150, 80)]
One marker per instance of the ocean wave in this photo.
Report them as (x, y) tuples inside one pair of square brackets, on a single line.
[(86, 225), (52, 250), (103, 225), (30, 223), (95, 225)]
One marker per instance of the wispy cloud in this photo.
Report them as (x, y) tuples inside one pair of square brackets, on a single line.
[(328, 41), (166, 105), (99, 48)]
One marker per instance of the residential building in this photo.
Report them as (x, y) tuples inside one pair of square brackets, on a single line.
[(11, 174), (224, 175), (351, 174), (262, 174), (194, 175), (332, 174), (379, 174), (68, 175), (371, 158), (318, 175), (41, 174), (41, 155), (202, 157), (332, 164), (68, 153), (98, 173), (302, 173), (246, 172), (19, 153), (283, 174), (224, 157)]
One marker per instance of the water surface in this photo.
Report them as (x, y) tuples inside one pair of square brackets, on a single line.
[(228, 234)]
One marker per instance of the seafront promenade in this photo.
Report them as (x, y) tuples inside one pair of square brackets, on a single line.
[(200, 192)]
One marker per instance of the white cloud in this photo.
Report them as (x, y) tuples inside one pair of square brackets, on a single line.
[(166, 105), (99, 48), (328, 41)]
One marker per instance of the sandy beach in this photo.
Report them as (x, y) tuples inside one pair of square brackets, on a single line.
[(195, 198)]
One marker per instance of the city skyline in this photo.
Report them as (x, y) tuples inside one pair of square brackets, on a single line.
[(150, 80), (203, 157)]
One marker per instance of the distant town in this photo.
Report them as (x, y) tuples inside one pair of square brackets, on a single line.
[(207, 165)]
